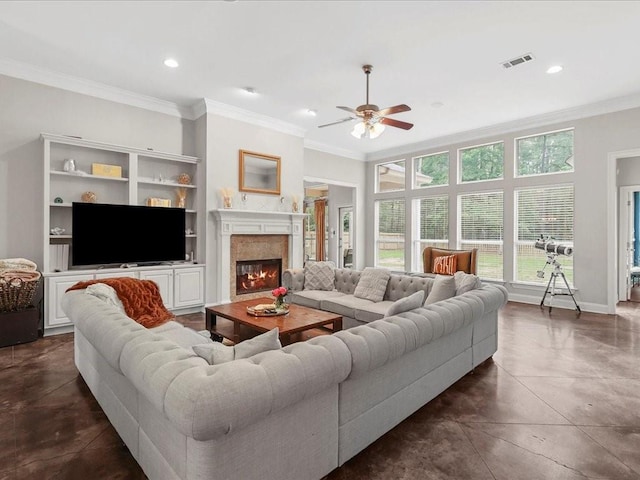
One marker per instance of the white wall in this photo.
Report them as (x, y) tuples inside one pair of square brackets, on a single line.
[(594, 138), (340, 171), (28, 109)]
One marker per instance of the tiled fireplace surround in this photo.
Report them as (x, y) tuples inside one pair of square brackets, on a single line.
[(254, 235)]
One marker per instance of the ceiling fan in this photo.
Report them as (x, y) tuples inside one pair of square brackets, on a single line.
[(373, 119)]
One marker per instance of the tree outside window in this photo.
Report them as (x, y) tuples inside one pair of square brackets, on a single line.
[(485, 162), (431, 170), (546, 153)]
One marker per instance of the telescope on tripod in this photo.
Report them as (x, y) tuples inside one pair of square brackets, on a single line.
[(553, 249)]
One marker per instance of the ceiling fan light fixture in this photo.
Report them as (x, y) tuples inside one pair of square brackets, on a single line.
[(359, 130), (375, 130), (367, 130)]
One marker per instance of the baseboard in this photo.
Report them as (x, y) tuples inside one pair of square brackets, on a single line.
[(564, 303)]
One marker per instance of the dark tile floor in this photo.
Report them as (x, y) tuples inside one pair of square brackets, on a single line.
[(559, 400)]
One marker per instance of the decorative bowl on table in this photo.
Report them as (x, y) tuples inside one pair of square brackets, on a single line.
[(268, 310)]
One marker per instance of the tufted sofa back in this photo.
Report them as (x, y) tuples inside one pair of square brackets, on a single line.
[(346, 280), (400, 286)]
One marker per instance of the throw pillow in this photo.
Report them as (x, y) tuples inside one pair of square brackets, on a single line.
[(319, 275), (466, 282), (407, 303), (444, 287), (216, 353), (372, 284), (445, 265)]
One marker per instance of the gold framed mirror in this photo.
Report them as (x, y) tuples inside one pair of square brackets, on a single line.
[(259, 173)]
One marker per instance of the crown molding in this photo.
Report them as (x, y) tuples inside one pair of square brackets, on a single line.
[(235, 113), (50, 78), (323, 147), (584, 111)]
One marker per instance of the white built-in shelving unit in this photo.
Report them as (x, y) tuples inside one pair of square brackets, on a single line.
[(145, 174)]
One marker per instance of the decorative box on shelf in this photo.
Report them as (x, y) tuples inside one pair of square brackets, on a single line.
[(158, 202), (106, 170)]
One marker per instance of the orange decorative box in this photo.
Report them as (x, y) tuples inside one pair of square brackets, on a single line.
[(106, 170), (158, 202)]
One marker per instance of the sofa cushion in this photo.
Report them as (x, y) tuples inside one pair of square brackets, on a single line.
[(344, 305), (312, 298), (319, 276), (444, 287), (372, 284), (414, 300), (466, 282), (216, 353), (445, 265), (373, 311)]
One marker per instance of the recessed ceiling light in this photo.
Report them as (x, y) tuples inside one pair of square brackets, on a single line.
[(250, 90), (312, 113), (171, 63), (554, 69)]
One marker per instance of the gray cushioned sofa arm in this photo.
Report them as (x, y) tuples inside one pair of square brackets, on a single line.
[(293, 279)]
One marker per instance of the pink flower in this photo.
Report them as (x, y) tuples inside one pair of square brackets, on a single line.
[(280, 291)]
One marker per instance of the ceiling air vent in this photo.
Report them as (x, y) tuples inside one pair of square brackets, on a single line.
[(527, 57)]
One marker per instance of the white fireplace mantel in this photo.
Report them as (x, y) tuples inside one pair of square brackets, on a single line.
[(253, 222)]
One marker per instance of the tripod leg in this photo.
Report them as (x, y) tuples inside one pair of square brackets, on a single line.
[(546, 290), (571, 293)]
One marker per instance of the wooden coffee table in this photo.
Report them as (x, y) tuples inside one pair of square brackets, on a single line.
[(297, 320)]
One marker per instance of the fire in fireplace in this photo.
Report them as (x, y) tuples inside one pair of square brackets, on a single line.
[(257, 275)]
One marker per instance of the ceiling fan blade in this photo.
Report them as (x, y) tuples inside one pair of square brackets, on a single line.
[(392, 110), (336, 123), (396, 123), (350, 110)]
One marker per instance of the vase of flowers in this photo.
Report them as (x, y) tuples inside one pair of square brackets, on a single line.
[(279, 293)]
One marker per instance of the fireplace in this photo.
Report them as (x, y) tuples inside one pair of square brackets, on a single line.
[(254, 276), (243, 235)]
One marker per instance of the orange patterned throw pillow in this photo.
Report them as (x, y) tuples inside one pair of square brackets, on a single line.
[(445, 265), (141, 299)]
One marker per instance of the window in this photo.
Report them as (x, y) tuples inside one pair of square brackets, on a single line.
[(431, 170), (481, 227), (390, 177), (546, 153), (546, 211), (390, 215), (432, 226), (485, 162)]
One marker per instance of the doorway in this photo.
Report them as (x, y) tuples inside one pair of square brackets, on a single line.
[(345, 245), (628, 248), (336, 237)]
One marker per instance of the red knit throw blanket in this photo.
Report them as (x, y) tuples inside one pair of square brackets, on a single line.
[(141, 299)]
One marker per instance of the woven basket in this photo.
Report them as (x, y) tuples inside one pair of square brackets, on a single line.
[(17, 293)]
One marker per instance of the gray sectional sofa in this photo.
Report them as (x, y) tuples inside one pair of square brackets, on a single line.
[(297, 412)]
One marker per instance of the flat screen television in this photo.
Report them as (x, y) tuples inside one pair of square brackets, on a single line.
[(106, 234)]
